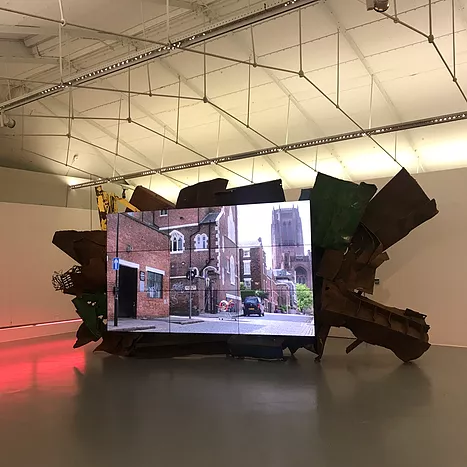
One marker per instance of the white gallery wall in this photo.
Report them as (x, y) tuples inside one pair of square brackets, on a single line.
[(427, 271), (27, 262), (27, 187)]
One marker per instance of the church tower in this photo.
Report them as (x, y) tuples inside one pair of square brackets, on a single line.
[(286, 236)]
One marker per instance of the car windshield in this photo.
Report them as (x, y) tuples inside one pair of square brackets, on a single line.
[(251, 300)]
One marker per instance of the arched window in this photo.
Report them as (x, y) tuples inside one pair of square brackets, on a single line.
[(201, 242), (177, 242), (301, 275), (232, 270)]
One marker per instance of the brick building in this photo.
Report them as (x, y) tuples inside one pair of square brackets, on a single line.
[(272, 291), (144, 266), (253, 270), (202, 240), (255, 275)]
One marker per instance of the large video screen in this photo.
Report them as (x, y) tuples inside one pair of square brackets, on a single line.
[(219, 270)]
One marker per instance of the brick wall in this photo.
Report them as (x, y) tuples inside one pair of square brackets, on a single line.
[(257, 267), (227, 249), (180, 262), (141, 233), (145, 246)]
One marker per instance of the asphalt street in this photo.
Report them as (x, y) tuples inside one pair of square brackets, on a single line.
[(223, 323)]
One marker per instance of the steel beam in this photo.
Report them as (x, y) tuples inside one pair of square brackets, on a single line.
[(440, 119), (14, 51), (53, 32), (184, 5), (255, 15)]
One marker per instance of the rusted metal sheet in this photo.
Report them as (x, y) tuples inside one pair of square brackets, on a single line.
[(146, 200), (81, 246), (201, 194), (361, 237), (267, 192), (357, 266), (405, 332), (398, 208)]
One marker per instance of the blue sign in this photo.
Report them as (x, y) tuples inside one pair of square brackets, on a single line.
[(116, 264)]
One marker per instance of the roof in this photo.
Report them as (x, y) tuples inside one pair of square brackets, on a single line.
[(210, 218)]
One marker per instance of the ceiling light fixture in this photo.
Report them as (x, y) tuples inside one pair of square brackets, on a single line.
[(378, 5), (6, 121)]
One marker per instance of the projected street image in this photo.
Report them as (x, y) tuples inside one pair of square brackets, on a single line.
[(217, 270)]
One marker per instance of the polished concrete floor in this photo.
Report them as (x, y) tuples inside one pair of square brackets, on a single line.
[(61, 407)]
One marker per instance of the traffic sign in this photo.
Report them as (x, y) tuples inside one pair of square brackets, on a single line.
[(116, 264)]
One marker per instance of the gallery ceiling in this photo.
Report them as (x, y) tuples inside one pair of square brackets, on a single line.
[(264, 90)]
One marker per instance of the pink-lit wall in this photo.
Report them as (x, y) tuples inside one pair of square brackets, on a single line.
[(27, 262)]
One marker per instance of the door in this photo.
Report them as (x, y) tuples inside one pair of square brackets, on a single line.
[(128, 292)]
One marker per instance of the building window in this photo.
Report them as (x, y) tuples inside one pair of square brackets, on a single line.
[(164, 212), (154, 284), (177, 242), (247, 268), (248, 284), (232, 270), (246, 253), (231, 226), (223, 244), (201, 242), (223, 276), (301, 275)]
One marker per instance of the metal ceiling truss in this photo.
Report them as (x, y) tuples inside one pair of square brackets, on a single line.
[(269, 73), (432, 40), (253, 16), (228, 117), (108, 133), (374, 79), (66, 121), (201, 37), (377, 131), (246, 20)]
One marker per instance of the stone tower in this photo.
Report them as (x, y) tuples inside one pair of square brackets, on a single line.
[(286, 236)]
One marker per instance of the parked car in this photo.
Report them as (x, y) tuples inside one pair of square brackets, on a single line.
[(253, 306)]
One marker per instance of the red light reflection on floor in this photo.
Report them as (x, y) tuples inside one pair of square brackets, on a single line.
[(49, 366)]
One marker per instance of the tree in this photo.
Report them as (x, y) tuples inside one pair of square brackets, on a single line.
[(262, 294), (304, 297), (244, 292)]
